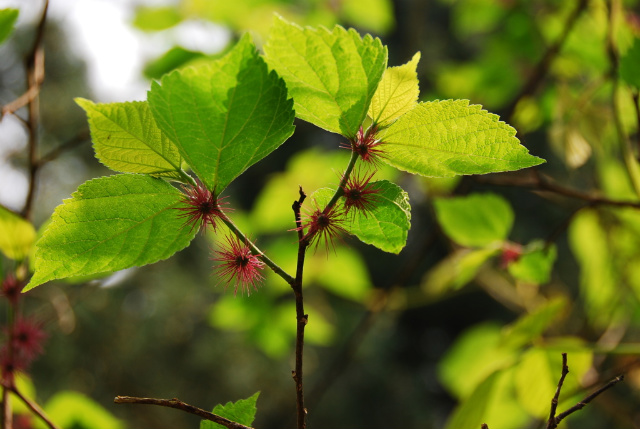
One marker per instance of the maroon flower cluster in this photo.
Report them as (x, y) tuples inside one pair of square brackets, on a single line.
[(202, 207), (239, 265), (367, 146), (23, 340)]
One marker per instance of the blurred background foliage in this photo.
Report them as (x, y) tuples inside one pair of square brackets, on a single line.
[(465, 326)]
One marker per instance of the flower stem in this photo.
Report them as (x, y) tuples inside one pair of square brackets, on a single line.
[(343, 181), (255, 250)]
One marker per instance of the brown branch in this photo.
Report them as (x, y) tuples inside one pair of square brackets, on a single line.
[(178, 404), (35, 77), (34, 407), (554, 420), (542, 68), (551, 423), (301, 317), (532, 179), (75, 141)]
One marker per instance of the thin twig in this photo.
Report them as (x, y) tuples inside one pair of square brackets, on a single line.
[(554, 420), (301, 317), (81, 137), (35, 408), (551, 423), (580, 405), (539, 182), (178, 404), (35, 77), (542, 68)]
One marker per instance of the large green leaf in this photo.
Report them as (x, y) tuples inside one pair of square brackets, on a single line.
[(8, 18), (225, 115), (331, 75), (475, 220), (16, 235), (451, 137), (126, 139), (242, 411), (397, 93), (109, 224)]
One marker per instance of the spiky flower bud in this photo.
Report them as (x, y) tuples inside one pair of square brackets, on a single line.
[(366, 145), (360, 195), (201, 208), (238, 265), (323, 225)]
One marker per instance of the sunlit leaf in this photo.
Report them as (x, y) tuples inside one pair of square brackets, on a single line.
[(535, 265), (109, 224), (16, 235), (156, 18), (532, 325), (126, 139), (242, 411), (397, 93), (451, 137), (455, 271), (8, 18), (475, 355), (331, 75), (492, 402), (373, 15), (630, 65), (475, 220), (224, 115), (170, 60), (74, 410)]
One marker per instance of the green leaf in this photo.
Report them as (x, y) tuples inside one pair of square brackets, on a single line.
[(493, 402), (126, 139), (532, 325), (535, 265), (16, 235), (374, 15), (169, 61), (475, 220), (225, 115), (74, 410), (242, 411), (456, 270), (451, 137), (386, 225), (156, 18), (397, 93), (331, 75), (599, 280), (630, 65), (8, 19), (476, 354), (109, 224)]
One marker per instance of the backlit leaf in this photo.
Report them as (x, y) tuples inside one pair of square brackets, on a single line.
[(331, 75), (242, 411), (8, 18), (224, 115), (16, 235), (126, 139), (74, 410), (109, 224), (535, 265), (156, 18), (397, 93), (532, 325), (455, 271), (475, 220), (630, 65), (451, 137)]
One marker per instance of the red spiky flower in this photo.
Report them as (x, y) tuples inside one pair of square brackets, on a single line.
[(202, 207), (366, 145), (360, 195), (323, 225), (27, 338), (239, 265), (11, 288)]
